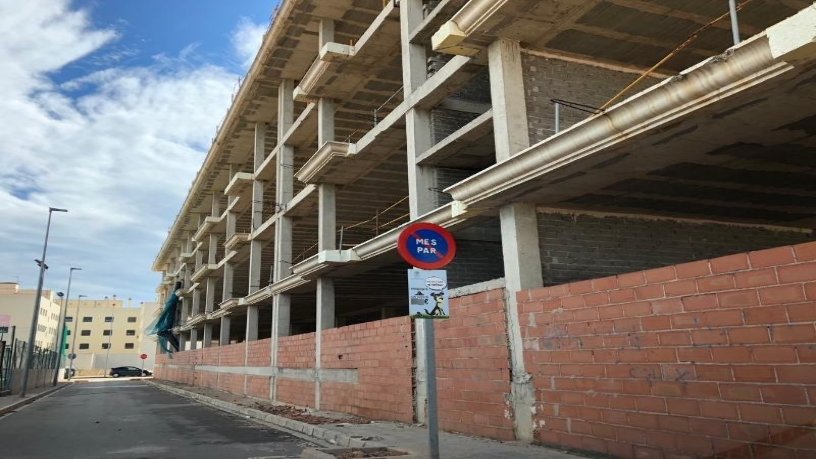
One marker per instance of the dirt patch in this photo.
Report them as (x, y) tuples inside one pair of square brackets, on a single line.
[(305, 416)]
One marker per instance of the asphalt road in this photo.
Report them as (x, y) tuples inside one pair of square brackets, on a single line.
[(131, 419)]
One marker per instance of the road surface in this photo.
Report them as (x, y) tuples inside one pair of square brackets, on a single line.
[(132, 419)]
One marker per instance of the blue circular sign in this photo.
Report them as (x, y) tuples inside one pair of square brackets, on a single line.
[(426, 246)]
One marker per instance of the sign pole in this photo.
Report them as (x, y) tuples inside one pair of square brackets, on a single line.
[(430, 359)]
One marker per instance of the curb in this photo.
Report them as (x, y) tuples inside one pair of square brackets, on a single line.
[(32, 399), (320, 433)]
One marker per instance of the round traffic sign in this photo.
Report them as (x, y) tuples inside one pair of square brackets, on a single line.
[(426, 245), (143, 356)]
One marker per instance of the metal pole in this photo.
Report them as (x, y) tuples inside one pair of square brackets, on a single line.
[(732, 8), (63, 317), (430, 358), (35, 316), (557, 117), (107, 351), (73, 339)]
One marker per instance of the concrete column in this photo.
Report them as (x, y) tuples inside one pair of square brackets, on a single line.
[(196, 306), (185, 310), (224, 336), (420, 179), (284, 187), (206, 341), (257, 210), (519, 227), (507, 97), (182, 341), (193, 338)]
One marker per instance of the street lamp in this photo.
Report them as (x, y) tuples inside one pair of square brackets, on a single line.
[(73, 339), (37, 300), (63, 313)]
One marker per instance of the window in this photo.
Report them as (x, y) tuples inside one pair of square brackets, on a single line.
[(130, 332), (66, 346), (68, 332), (105, 345), (128, 345), (108, 319), (85, 333), (131, 319), (106, 332), (87, 319), (84, 345), (69, 319)]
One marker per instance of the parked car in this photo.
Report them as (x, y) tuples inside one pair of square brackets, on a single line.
[(128, 371)]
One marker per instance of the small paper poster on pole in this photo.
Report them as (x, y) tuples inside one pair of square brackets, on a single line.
[(428, 294)]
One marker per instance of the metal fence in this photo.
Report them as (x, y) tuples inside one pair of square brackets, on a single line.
[(12, 359)]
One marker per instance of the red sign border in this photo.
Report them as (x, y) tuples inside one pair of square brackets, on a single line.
[(402, 245), (143, 356)]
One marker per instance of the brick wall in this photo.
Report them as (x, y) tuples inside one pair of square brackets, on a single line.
[(473, 371), (296, 352), (712, 357), (382, 353), (580, 246), (546, 79)]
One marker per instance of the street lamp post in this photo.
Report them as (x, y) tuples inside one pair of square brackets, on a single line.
[(63, 314), (35, 316), (73, 339)]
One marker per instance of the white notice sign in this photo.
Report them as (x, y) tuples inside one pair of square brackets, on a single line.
[(428, 294)]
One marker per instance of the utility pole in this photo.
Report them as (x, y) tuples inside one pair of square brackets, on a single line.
[(35, 316), (63, 317), (73, 340)]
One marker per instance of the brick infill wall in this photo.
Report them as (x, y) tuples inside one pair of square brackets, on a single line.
[(713, 357)]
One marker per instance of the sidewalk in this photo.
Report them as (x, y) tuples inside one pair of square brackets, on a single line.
[(330, 428), (9, 403)]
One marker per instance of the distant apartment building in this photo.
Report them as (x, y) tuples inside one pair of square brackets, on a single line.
[(108, 332), (16, 306)]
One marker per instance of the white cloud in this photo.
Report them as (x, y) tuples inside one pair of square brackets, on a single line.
[(118, 147), (246, 39)]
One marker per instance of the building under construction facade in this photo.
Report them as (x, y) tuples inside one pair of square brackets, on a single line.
[(632, 188)]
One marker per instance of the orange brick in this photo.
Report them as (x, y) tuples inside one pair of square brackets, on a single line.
[(754, 412), (774, 354), (660, 274), (754, 373), (656, 323), (715, 283), (667, 306), (805, 252), (804, 374), (719, 410), (803, 272), (604, 283), (748, 432), (738, 298), (622, 295), (679, 406), (648, 292), (631, 279), (730, 263), (699, 302), (782, 294), (692, 269), (800, 333), (803, 312), (674, 338), (702, 337), (722, 318), (786, 395), (748, 335), (740, 392), (810, 290), (806, 353), (771, 257), (756, 278), (798, 415), (714, 372), (766, 315), (702, 390), (680, 288)]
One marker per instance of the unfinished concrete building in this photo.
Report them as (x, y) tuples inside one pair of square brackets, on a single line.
[(634, 273)]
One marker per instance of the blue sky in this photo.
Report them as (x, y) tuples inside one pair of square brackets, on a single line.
[(109, 108)]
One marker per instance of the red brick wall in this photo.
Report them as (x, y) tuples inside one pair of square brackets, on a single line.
[(473, 370), (382, 353), (259, 353), (296, 352), (709, 357)]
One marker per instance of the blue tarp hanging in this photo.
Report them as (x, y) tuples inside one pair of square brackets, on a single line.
[(162, 327)]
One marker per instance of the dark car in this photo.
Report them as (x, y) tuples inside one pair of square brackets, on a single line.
[(128, 371)]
